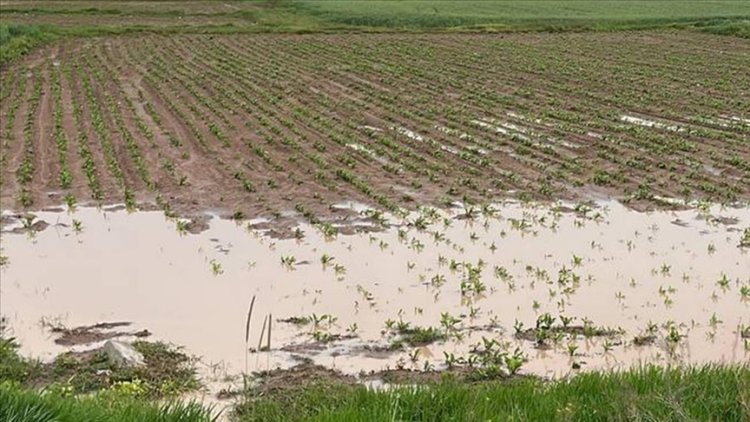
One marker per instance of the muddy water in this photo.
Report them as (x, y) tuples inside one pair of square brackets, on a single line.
[(622, 269)]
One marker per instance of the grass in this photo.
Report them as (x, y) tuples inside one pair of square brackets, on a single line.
[(13, 367), (17, 40), (650, 393), (452, 13), (21, 405), (416, 336), (550, 15)]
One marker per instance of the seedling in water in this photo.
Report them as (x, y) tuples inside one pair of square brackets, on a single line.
[(70, 201), (326, 260), (745, 240), (216, 267), (515, 362), (723, 282), (572, 347), (77, 226), (288, 262)]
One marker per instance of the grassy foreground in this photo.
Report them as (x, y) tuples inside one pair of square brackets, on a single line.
[(703, 393), (87, 388), (653, 393), (711, 392), (19, 405)]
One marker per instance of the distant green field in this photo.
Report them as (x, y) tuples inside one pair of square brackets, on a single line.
[(25, 25), (512, 13)]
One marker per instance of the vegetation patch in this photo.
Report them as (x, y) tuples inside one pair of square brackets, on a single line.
[(546, 330), (403, 333), (17, 40), (13, 367), (167, 372)]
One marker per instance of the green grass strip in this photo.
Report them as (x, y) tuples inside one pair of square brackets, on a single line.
[(718, 393), (20, 405)]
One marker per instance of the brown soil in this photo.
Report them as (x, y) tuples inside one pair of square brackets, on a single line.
[(279, 382)]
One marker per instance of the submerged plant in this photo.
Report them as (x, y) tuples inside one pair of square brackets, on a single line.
[(216, 268), (745, 239)]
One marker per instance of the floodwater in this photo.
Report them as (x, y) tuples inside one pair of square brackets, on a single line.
[(613, 267)]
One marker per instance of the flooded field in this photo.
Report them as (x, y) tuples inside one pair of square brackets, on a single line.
[(545, 289)]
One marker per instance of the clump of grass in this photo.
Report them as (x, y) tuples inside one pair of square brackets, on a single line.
[(407, 334), (745, 240), (17, 40), (13, 367)]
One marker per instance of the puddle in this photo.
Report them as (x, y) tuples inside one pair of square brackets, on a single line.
[(650, 123), (408, 133), (523, 133), (480, 274), (376, 157)]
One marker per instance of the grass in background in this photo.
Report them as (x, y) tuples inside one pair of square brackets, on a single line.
[(652, 393), (17, 40), (24, 27), (520, 14)]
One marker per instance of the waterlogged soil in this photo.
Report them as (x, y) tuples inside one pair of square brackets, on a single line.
[(630, 287)]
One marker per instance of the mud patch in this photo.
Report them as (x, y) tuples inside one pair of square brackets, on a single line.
[(285, 381), (94, 333)]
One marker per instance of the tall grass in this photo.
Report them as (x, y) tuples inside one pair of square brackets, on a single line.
[(18, 39), (19, 405), (13, 367), (649, 394)]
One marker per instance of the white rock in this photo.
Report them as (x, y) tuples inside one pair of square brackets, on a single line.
[(123, 354)]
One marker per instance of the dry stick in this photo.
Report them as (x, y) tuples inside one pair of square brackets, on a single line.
[(268, 343), (247, 330), (260, 340), (262, 332)]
